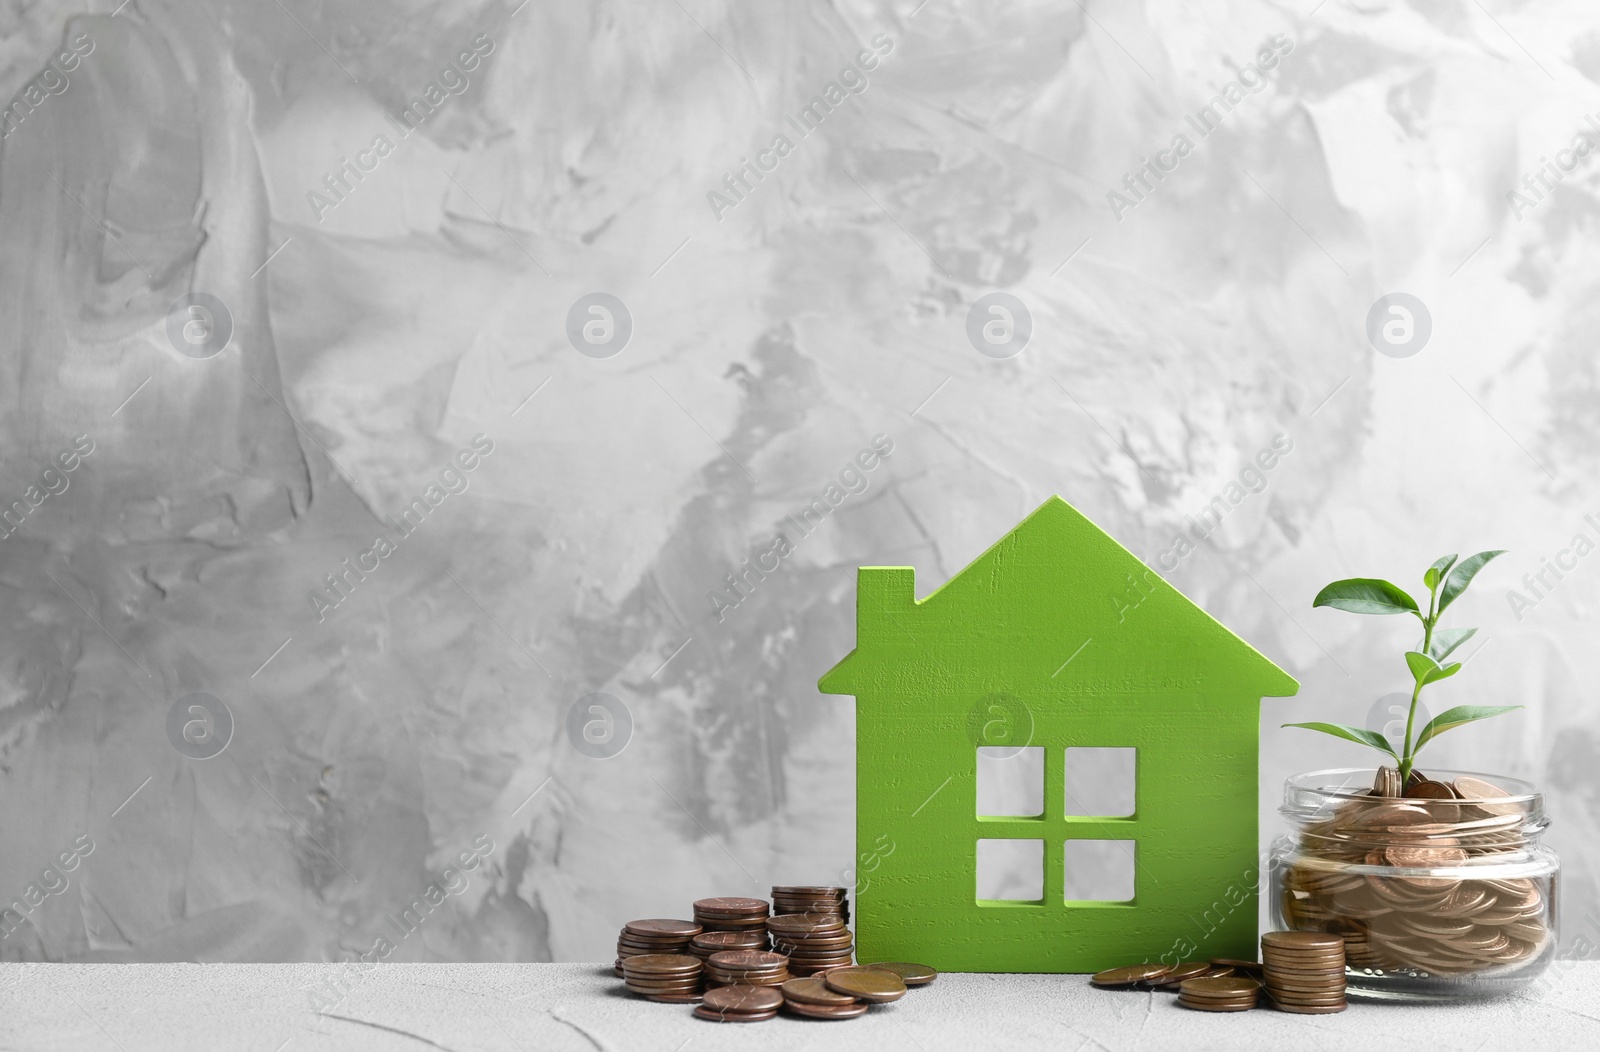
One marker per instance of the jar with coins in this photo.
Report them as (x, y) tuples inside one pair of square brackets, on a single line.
[(1440, 887)]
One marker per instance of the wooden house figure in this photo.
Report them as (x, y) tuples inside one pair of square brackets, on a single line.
[(1052, 645)]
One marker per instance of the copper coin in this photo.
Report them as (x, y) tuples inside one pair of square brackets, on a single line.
[(1218, 1006), (1189, 970), (743, 998), (807, 890), (1313, 1009), (1307, 999), (1302, 940), (1225, 987), (663, 928), (1486, 796), (811, 1011), (910, 974), (1236, 964), (805, 922), (1428, 789), (758, 959), (662, 964), (815, 992), (867, 984), (702, 1012), (715, 941), (1130, 974), (731, 904)]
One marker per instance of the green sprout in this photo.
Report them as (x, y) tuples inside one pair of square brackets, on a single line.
[(1446, 580)]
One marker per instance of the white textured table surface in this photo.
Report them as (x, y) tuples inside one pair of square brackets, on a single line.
[(582, 1007)]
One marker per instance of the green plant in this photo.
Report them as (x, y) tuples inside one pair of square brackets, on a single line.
[(1446, 580)]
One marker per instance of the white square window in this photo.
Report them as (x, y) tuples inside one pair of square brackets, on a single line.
[(1100, 782), (1099, 870), (1011, 870), (1011, 781)]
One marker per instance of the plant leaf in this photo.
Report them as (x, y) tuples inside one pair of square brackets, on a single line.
[(1366, 595), (1446, 640), (1422, 666), (1444, 673), (1437, 571), (1453, 718), (1359, 735), (1462, 576)]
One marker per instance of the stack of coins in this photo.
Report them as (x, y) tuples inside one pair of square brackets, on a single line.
[(1304, 971), (739, 1004), (811, 998), (654, 936), (670, 977), (804, 898), (1368, 874), (731, 914), (745, 968), (707, 943), (814, 942), (1219, 994)]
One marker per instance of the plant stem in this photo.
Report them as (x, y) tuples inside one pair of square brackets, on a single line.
[(1406, 755)]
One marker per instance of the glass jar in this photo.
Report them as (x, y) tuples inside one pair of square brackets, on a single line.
[(1439, 898)]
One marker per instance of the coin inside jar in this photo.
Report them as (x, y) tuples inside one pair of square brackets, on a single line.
[(866, 984)]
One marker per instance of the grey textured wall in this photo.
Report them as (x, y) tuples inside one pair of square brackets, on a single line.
[(398, 211)]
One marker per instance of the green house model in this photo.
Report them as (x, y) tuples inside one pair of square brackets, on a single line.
[(1056, 644)]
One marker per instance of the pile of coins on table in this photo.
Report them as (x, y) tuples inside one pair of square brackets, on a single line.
[(720, 961), (1413, 918), (1304, 971), (654, 936), (813, 942)]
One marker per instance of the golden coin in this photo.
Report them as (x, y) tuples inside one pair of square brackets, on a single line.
[(910, 974), (1130, 974), (867, 984)]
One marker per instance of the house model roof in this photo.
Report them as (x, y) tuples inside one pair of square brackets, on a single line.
[(1057, 604)]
